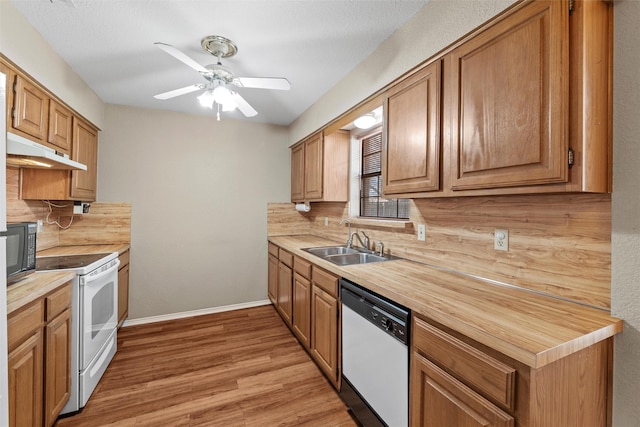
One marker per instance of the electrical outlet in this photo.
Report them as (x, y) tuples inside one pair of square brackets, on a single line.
[(501, 240), (326, 221), (39, 226), (422, 232)]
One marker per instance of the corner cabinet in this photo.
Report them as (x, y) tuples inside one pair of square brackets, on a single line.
[(320, 168), (411, 146), (528, 102), (457, 382)]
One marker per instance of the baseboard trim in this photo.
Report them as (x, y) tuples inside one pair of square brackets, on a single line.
[(211, 310)]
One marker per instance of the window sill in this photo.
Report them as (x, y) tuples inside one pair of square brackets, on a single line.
[(397, 225)]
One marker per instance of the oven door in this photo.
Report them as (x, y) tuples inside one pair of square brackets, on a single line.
[(98, 311)]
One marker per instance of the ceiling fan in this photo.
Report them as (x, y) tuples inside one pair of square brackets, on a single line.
[(218, 78)]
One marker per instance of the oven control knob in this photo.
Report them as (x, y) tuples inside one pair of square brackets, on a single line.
[(388, 324)]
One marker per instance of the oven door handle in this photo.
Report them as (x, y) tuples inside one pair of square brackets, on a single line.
[(88, 279)]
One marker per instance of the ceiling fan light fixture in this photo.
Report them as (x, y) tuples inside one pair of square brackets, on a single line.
[(222, 95), (365, 121), (206, 99)]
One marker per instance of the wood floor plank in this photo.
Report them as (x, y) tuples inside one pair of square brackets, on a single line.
[(242, 368)]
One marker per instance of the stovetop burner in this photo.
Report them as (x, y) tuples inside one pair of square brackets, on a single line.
[(63, 262)]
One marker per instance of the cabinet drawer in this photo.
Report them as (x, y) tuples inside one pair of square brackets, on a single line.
[(273, 250), (302, 267), (57, 301), (286, 258), (23, 323), (480, 371), (124, 259), (326, 281)]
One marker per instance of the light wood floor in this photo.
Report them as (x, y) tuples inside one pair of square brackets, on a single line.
[(240, 368)]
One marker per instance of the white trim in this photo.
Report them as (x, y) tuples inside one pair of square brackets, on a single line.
[(211, 310)]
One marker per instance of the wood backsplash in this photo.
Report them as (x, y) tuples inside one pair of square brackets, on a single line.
[(106, 223), (558, 244)]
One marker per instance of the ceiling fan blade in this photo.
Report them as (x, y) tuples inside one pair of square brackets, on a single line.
[(181, 57), (178, 92), (244, 106), (278, 83)]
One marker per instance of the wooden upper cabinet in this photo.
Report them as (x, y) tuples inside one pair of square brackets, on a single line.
[(320, 168), (411, 148), (60, 127), (508, 95), (297, 173), (30, 109), (313, 172), (85, 151), (42, 184)]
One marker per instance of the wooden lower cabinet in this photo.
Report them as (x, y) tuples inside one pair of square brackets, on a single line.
[(25, 383), (456, 382), (123, 287), (307, 299), (301, 322), (438, 399), (39, 362), (58, 366), (324, 323), (285, 282)]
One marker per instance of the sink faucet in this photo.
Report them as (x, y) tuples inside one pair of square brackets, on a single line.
[(349, 240), (364, 244)]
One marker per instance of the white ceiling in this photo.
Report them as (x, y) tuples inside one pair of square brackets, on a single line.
[(313, 43)]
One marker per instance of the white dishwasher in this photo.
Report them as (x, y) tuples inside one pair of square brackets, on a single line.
[(375, 357)]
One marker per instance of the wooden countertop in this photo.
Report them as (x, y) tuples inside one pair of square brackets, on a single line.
[(35, 286), (531, 328), (84, 249)]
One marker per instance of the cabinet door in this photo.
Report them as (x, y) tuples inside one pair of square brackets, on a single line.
[(302, 308), (25, 383), (411, 148), (285, 279), (60, 127), (438, 399), (31, 109), (508, 96), (57, 381), (324, 332), (85, 150), (123, 293), (297, 173), (272, 285), (313, 164)]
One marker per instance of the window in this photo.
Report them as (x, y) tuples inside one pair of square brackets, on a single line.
[(371, 202)]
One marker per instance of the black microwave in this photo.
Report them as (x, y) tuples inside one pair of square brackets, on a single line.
[(21, 250)]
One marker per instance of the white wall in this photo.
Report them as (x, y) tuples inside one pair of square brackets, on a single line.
[(23, 45), (198, 190), (435, 26), (625, 239)]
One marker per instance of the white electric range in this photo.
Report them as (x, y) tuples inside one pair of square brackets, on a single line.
[(94, 318)]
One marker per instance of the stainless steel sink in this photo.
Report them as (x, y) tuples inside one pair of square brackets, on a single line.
[(342, 255), (357, 258), (324, 251)]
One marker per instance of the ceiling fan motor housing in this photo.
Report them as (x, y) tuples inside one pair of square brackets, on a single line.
[(218, 46)]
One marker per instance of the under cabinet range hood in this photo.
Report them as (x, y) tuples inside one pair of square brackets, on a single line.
[(24, 153)]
